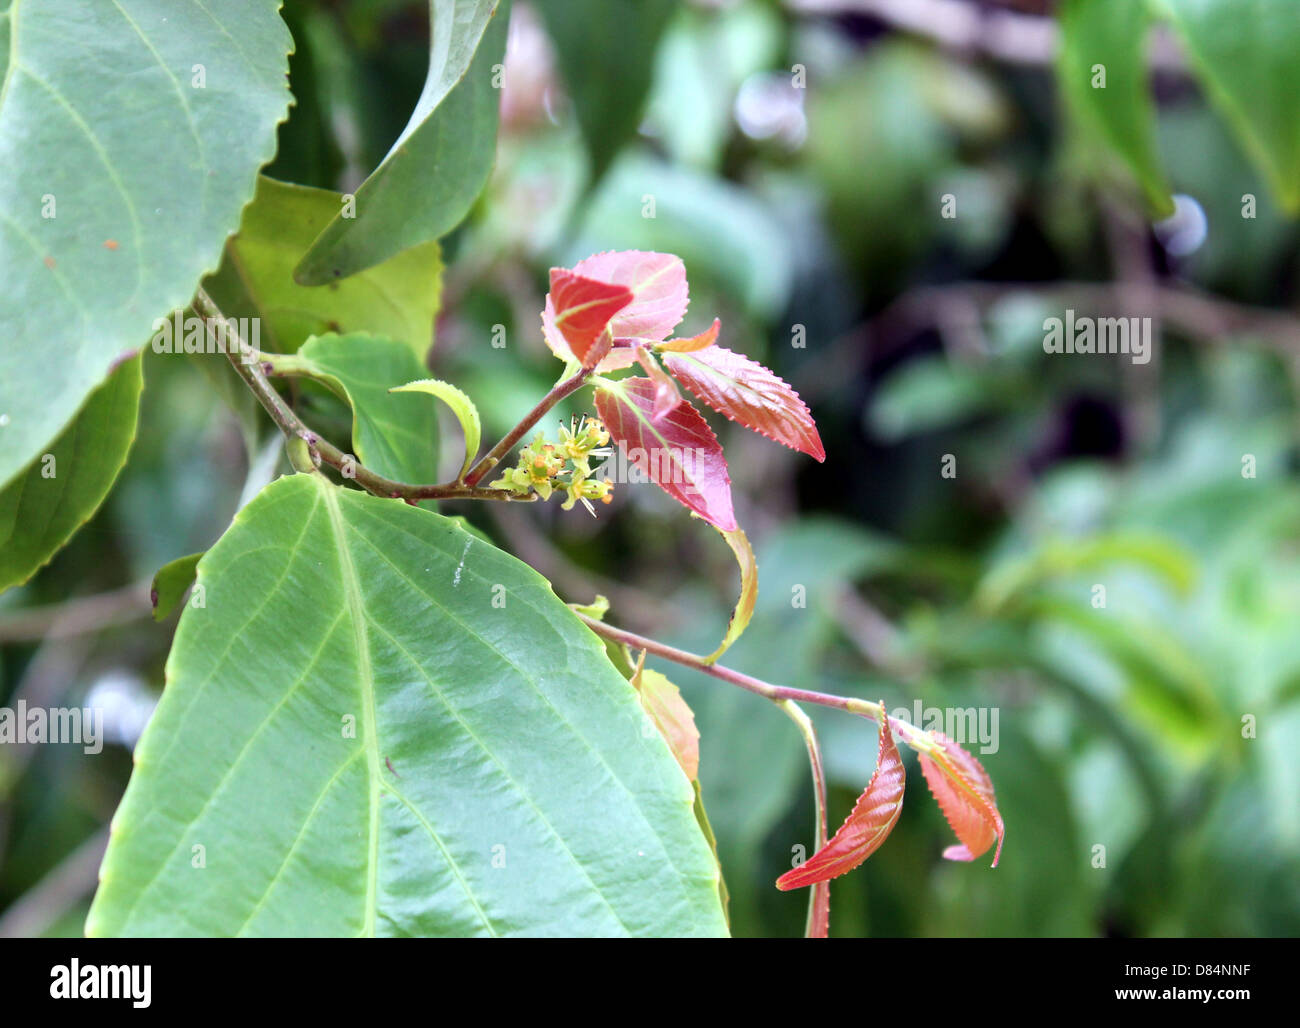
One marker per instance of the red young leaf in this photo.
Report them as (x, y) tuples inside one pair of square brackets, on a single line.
[(658, 284), (867, 826), (676, 449), (580, 309), (964, 792), (706, 338), (749, 393)]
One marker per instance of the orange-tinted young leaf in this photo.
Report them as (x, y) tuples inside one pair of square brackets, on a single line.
[(868, 825), (964, 792), (749, 393), (744, 609), (706, 338), (580, 309), (663, 702), (676, 449)]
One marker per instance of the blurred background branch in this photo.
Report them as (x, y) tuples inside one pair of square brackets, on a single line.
[(1089, 563), (976, 29)]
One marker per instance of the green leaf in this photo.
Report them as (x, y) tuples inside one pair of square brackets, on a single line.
[(462, 522), (441, 161), (1112, 35), (239, 401), (461, 405), (1168, 562), (1245, 53), (618, 653), (929, 394), (122, 179), (396, 436), (607, 50), (42, 508), (398, 298), (702, 819), (1168, 687), (171, 582), (397, 754)]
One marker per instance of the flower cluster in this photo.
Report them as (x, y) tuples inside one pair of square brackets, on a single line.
[(546, 468)]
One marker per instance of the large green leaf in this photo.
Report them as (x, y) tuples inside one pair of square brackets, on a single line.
[(398, 298), (103, 126), (395, 434), (498, 781), (1112, 35), (441, 161), (58, 493), (1245, 52), (607, 53)]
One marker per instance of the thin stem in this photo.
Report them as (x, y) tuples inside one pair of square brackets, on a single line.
[(244, 359), (252, 370), (909, 733), (819, 900), (494, 456)]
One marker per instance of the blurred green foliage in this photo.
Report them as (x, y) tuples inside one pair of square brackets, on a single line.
[(803, 216)]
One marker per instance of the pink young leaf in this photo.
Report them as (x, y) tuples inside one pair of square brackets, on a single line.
[(667, 395), (868, 825), (677, 449), (964, 793), (749, 393), (706, 338), (578, 311), (659, 292)]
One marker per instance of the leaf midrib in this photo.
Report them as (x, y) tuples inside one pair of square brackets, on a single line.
[(12, 15), (365, 674), (760, 398), (648, 425)]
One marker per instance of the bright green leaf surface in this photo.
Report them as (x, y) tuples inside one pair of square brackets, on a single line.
[(398, 298), (438, 166), (607, 51), (395, 435), (1245, 52), (42, 508), (461, 405), (364, 744), (1112, 34), (119, 188)]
